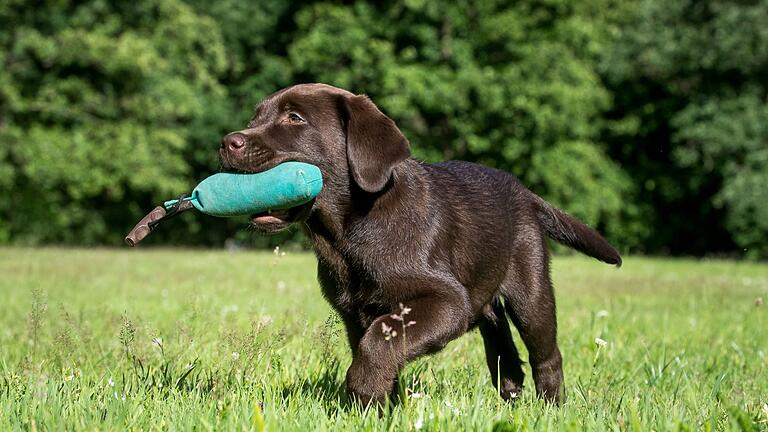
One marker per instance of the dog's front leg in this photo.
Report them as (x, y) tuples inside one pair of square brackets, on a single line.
[(421, 326)]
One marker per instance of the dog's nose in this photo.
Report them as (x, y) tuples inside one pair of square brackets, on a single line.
[(233, 142)]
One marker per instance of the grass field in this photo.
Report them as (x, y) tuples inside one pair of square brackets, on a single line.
[(211, 340)]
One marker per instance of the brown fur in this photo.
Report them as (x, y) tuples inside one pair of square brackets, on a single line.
[(459, 244)]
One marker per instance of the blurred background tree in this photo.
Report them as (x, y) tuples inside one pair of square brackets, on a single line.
[(646, 119), (690, 122)]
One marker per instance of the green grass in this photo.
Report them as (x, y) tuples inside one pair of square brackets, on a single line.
[(179, 340)]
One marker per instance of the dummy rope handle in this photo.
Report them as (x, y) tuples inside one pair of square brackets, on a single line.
[(159, 214)]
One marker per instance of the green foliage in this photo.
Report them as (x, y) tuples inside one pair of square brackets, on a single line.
[(511, 87), (97, 103), (689, 79), (728, 138), (645, 119)]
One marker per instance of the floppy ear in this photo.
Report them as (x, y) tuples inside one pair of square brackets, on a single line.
[(374, 144)]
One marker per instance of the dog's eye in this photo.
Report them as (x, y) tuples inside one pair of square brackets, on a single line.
[(295, 118)]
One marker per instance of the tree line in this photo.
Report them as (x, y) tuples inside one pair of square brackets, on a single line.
[(647, 119)]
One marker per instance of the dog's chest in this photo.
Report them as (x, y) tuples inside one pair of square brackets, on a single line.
[(351, 284), (361, 272)]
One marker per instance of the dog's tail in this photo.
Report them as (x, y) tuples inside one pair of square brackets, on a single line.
[(568, 230)]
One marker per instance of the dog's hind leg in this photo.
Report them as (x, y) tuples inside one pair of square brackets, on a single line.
[(530, 303), (500, 352)]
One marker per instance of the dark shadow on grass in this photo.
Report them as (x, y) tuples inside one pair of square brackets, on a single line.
[(329, 388), (325, 387)]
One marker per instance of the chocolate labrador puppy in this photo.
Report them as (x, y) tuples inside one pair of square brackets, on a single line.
[(413, 255)]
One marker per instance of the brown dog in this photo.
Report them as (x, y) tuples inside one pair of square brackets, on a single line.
[(456, 244)]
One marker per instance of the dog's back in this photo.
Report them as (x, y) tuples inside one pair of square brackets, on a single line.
[(502, 202)]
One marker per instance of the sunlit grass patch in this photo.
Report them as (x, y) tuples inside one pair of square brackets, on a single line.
[(155, 340)]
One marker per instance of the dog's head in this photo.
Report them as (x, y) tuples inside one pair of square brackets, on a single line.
[(353, 143)]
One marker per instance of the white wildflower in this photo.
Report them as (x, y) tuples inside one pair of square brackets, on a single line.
[(456, 410), (601, 342), (229, 309), (404, 310), (418, 424), (602, 313), (389, 333)]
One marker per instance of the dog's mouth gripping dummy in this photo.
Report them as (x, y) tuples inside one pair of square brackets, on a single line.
[(285, 186)]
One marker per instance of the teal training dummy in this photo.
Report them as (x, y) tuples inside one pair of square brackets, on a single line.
[(287, 185)]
